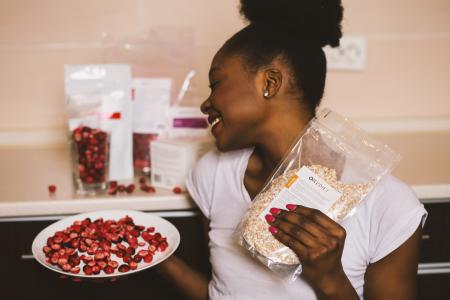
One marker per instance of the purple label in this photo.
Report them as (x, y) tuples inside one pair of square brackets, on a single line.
[(190, 123)]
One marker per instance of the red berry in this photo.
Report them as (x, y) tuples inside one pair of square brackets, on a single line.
[(177, 190), (52, 188), (113, 184), (124, 268), (133, 265), (148, 258), (130, 188)]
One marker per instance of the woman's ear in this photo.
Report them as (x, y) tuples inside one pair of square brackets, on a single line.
[(273, 79)]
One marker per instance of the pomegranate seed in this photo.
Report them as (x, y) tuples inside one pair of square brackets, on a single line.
[(113, 184), (152, 248), (95, 269), (52, 188), (139, 227), (108, 270), (47, 249), (99, 255), (177, 190), (92, 263), (143, 253), (113, 264), (151, 229), (75, 261), (75, 244), (162, 247), (121, 247), (58, 240), (130, 188), (137, 258), (148, 258), (130, 250), (75, 270), (133, 265), (56, 246), (66, 267), (102, 264), (54, 260), (87, 270), (124, 268), (127, 259)]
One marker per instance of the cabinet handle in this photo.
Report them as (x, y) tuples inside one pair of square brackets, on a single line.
[(434, 268), (426, 237), (27, 256)]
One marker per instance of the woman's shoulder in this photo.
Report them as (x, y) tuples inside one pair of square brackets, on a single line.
[(392, 195), (392, 212)]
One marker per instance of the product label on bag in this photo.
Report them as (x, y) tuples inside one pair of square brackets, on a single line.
[(304, 188)]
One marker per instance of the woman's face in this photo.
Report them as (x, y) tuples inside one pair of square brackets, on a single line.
[(235, 107)]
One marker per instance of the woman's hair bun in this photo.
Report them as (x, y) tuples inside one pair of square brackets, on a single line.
[(315, 20)]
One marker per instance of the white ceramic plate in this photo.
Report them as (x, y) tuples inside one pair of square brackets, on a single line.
[(146, 219)]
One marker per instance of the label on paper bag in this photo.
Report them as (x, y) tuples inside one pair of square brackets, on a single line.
[(304, 188)]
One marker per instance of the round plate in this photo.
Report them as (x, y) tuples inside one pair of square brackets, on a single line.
[(139, 218)]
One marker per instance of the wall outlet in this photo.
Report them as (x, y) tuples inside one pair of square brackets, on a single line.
[(351, 55)]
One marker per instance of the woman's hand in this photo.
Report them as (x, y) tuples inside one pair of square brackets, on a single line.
[(317, 240)]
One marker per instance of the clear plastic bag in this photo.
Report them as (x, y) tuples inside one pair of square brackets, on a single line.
[(98, 104), (332, 166)]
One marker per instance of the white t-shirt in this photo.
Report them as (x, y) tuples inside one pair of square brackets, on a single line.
[(387, 217)]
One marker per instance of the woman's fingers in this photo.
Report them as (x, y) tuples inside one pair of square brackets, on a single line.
[(310, 216), (300, 249)]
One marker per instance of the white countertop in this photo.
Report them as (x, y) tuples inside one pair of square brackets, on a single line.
[(26, 174)]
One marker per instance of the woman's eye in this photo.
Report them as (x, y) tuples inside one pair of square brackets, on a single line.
[(213, 84)]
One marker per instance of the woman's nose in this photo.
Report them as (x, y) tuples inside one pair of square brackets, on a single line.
[(205, 106)]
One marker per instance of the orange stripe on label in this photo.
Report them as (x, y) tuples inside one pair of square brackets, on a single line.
[(291, 181)]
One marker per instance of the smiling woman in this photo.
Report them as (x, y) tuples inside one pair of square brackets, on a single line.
[(266, 82)]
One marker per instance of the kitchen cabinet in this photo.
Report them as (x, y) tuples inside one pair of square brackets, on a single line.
[(23, 278), (434, 266)]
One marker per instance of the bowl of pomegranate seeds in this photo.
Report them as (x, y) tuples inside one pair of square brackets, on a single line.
[(105, 243)]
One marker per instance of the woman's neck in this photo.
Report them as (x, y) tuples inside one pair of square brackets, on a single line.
[(277, 139)]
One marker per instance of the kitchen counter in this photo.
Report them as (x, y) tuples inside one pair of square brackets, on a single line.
[(26, 173)]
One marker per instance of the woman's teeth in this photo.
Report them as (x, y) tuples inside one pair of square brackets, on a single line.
[(216, 120)]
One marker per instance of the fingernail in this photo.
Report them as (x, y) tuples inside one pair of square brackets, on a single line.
[(275, 211), (273, 230), (291, 207), (270, 218)]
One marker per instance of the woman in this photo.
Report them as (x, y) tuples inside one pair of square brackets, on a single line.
[(266, 83)]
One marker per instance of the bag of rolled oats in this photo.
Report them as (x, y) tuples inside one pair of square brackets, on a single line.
[(332, 166)]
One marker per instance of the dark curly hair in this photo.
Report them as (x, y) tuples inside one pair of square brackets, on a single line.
[(296, 31)]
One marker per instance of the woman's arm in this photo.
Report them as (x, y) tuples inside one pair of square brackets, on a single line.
[(190, 282), (395, 276)]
